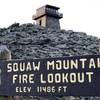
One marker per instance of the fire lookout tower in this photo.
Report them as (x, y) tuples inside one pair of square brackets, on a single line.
[(48, 16)]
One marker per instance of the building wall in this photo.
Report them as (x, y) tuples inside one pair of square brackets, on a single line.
[(49, 22), (52, 23), (43, 21)]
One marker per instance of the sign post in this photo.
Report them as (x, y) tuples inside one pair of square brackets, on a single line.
[(5, 54)]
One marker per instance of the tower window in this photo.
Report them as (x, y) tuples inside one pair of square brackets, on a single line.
[(40, 22)]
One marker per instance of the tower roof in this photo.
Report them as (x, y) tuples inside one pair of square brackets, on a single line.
[(50, 6)]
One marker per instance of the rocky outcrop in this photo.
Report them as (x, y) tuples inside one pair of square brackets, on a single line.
[(30, 41)]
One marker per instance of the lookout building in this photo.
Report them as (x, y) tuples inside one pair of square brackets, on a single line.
[(48, 16)]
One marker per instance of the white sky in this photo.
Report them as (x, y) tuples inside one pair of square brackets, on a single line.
[(79, 15)]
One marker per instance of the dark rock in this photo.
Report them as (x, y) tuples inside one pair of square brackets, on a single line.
[(14, 25)]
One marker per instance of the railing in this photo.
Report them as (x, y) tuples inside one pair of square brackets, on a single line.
[(53, 12), (48, 11)]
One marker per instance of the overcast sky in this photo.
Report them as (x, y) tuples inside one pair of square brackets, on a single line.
[(79, 15)]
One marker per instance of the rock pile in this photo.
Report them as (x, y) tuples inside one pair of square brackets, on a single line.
[(30, 41)]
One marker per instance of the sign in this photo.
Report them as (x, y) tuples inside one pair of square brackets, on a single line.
[(65, 76)]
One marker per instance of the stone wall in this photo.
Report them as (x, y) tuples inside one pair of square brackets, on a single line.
[(52, 22), (43, 21)]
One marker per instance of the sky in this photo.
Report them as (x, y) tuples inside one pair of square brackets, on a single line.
[(78, 15)]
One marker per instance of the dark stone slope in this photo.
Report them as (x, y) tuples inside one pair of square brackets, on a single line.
[(31, 41)]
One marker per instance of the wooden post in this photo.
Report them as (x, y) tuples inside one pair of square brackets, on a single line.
[(5, 54)]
